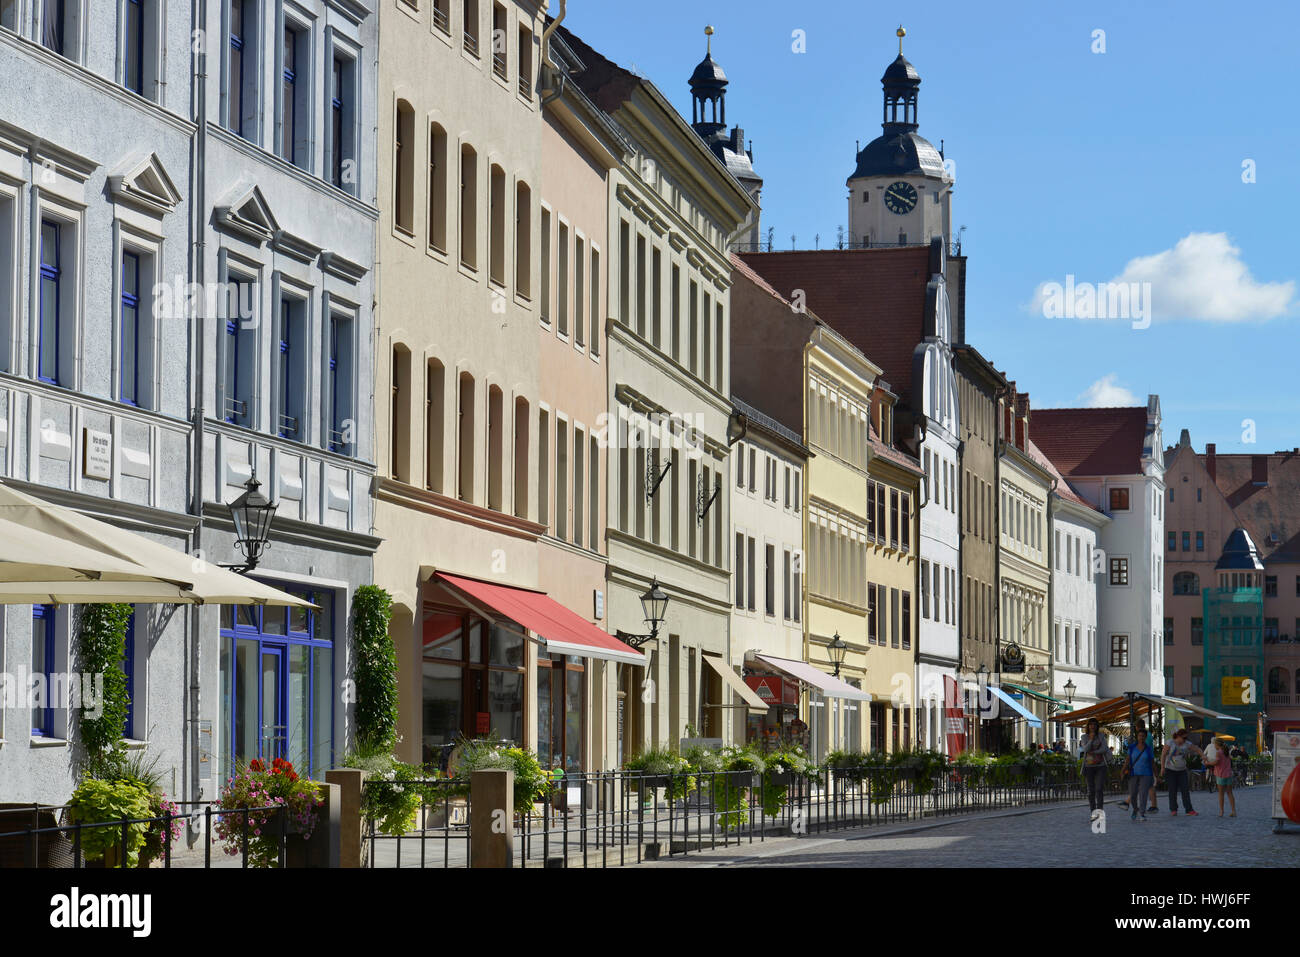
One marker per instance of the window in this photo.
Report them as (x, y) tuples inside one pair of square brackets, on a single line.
[(749, 550), (894, 618), (1173, 541), (1187, 583), (597, 320), (53, 301), (1271, 629), (1187, 541), (925, 589), (1119, 651), (871, 512), (740, 467), (43, 664), (579, 477), (656, 298), (340, 378), (128, 671), (59, 26), (1119, 571), (129, 379), (295, 101), (1270, 586), (1119, 500), (797, 499), (593, 499), (471, 27), (404, 169), (544, 473), (1198, 679), (497, 225), (1200, 541), (753, 469), (785, 582), (435, 384), (562, 280), (1169, 631), (525, 63), (292, 368), (880, 513), (468, 207), (499, 61), (873, 623), (496, 449), (1169, 676), (241, 352), (797, 599), (907, 620), (579, 295), (134, 28), (343, 154), (438, 189), (241, 70), (442, 15), (1198, 631), (739, 574), (905, 535), (545, 311), (466, 431), (769, 566), (893, 517)]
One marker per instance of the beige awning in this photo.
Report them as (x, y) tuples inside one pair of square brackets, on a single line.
[(732, 680), (60, 556)]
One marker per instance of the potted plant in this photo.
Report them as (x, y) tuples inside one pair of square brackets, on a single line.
[(532, 782), (267, 799), (108, 803), (661, 768), (393, 793)]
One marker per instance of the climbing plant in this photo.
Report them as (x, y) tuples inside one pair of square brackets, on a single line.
[(101, 646), (375, 671)]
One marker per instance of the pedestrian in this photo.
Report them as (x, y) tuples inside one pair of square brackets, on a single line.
[(1140, 725), (1223, 778), (1093, 759), (1173, 761), (1141, 767)]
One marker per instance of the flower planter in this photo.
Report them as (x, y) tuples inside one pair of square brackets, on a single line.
[(780, 779), (649, 781)]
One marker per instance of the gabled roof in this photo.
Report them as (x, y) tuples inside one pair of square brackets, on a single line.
[(875, 298), (1263, 510), (899, 458), (1063, 488), (1090, 442)]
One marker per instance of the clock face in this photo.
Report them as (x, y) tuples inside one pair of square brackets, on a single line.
[(900, 197)]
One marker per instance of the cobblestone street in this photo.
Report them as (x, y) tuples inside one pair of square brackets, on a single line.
[(1059, 836)]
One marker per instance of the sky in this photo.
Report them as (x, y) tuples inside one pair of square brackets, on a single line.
[(1152, 143)]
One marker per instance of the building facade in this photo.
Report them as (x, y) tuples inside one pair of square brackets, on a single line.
[(96, 131), (1114, 460), (673, 209)]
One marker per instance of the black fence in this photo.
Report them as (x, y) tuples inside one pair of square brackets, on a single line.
[(613, 818), (43, 836)]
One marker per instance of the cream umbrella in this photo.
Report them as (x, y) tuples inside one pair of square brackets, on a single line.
[(162, 574)]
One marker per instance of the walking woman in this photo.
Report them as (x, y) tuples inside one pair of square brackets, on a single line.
[(1223, 778), (1141, 767), (1174, 763), (1092, 757)]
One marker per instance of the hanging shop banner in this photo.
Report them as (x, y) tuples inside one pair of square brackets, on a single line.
[(774, 689), (1286, 775), (953, 716)]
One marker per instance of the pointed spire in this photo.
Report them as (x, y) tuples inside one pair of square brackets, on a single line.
[(708, 44), (900, 33)]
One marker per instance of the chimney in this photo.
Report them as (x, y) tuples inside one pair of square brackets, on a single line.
[(1022, 421), (1211, 464), (1259, 470)]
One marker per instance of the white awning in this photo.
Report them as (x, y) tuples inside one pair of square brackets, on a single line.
[(732, 680), (827, 685), (1029, 716)]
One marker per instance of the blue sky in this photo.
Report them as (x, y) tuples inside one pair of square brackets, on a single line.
[(1068, 162)]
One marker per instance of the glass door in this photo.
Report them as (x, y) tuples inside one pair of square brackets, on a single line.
[(273, 717)]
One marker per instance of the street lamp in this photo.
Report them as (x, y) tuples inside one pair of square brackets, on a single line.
[(654, 605), (1070, 688), (837, 650), (252, 513)]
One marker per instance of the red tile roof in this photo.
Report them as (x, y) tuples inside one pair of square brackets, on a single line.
[(1062, 486), (1084, 442), (896, 456), (875, 298), (1264, 510)]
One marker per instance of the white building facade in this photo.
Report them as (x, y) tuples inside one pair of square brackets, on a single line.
[(1076, 526)]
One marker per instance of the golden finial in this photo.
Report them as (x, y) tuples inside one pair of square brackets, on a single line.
[(900, 33), (708, 32)]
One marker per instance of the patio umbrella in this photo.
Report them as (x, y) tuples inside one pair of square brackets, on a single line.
[(127, 567)]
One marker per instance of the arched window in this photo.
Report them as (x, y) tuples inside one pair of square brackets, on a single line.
[(469, 206), (1187, 583), (522, 422), (1277, 683), (404, 168), (523, 240), (400, 414), (496, 446), (497, 225), (465, 439), (435, 415), (438, 187)]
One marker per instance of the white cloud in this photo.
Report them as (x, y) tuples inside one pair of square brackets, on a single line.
[(1201, 277), (1105, 392)]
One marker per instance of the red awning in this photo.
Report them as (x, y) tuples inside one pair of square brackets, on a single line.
[(563, 632)]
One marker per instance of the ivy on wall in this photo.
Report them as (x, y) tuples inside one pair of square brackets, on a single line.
[(374, 671)]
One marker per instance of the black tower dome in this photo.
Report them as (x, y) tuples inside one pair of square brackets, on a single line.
[(899, 150), (708, 88)]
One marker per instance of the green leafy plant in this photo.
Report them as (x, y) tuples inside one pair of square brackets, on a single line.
[(393, 791), (266, 793), (657, 762), (374, 671), (101, 646), (922, 766), (98, 802), (532, 782)]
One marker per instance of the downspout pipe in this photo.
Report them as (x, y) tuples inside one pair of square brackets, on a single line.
[(552, 82)]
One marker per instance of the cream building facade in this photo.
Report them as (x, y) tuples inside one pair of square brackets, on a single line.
[(673, 209)]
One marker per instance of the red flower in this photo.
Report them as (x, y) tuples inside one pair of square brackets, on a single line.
[(256, 765)]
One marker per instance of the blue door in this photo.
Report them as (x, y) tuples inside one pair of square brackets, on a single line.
[(273, 721)]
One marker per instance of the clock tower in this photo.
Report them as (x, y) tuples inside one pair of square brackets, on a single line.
[(899, 194)]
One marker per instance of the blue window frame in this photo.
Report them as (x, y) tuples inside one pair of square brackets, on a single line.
[(239, 365), (292, 353), (128, 669), (336, 121), (47, 367), (135, 46), (43, 665), (236, 77), (340, 386), (130, 340), (53, 20), (277, 679)]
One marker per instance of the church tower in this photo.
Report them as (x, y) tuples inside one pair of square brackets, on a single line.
[(899, 193), (709, 119)]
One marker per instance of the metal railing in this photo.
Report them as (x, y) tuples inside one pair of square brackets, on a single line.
[(613, 818), (47, 842), (440, 19), (499, 64), (471, 43), (954, 248)]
